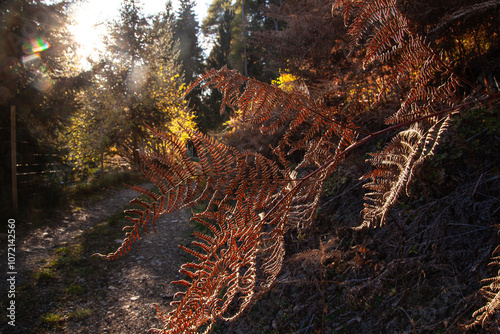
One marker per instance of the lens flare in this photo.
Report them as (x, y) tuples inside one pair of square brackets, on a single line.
[(31, 61), (41, 81), (137, 78), (35, 45)]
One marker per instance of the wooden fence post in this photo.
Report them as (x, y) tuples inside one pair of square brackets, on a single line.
[(102, 154), (13, 157)]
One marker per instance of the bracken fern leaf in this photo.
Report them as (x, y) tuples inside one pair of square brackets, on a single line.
[(491, 292)]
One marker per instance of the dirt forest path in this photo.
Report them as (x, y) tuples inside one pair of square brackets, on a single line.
[(80, 294)]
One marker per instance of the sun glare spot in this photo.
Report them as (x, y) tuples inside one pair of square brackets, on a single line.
[(86, 33)]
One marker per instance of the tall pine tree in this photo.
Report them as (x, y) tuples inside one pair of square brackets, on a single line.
[(218, 27), (186, 33), (223, 25)]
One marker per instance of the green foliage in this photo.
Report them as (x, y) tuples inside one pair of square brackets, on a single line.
[(75, 289), (45, 274), (52, 318), (80, 313)]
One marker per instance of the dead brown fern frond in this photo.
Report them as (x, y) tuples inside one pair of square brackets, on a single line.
[(244, 244), (252, 204), (417, 67), (222, 282), (243, 253), (252, 201), (311, 259), (394, 168), (181, 181), (491, 292), (415, 64), (265, 105)]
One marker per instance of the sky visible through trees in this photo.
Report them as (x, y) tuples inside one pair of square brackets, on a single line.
[(91, 15)]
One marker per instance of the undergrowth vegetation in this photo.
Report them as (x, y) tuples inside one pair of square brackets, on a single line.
[(415, 129)]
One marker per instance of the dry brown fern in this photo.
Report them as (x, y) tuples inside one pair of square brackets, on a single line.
[(252, 203), (395, 166), (491, 292), (254, 200), (430, 86)]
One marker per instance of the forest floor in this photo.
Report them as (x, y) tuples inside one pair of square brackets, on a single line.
[(62, 289)]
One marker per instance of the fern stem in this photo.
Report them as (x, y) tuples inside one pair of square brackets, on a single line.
[(302, 282)]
